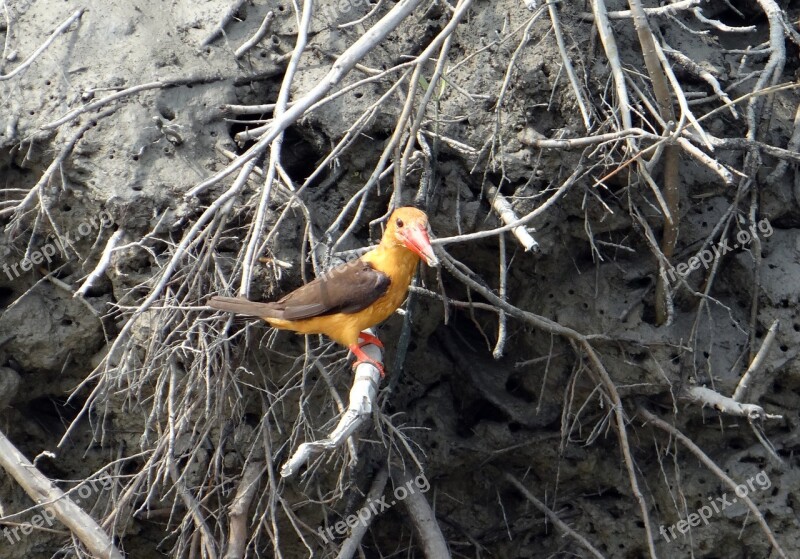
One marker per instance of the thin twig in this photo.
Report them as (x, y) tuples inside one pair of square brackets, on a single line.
[(59, 30), (757, 363), (257, 36), (553, 517), (711, 465), (44, 492)]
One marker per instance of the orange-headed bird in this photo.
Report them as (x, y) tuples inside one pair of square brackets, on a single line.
[(354, 296)]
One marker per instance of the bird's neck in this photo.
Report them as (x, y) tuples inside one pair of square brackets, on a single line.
[(396, 261)]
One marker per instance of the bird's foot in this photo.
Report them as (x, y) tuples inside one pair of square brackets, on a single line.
[(362, 357), (369, 339)]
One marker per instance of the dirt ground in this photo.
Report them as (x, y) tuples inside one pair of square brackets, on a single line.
[(626, 387)]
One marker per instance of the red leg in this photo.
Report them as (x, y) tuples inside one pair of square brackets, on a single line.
[(369, 339), (362, 357)]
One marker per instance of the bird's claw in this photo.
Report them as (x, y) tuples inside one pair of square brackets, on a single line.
[(369, 339), (362, 357)]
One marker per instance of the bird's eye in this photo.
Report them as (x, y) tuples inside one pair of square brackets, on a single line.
[(399, 222)]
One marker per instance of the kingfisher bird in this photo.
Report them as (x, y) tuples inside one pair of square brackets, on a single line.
[(350, 298)]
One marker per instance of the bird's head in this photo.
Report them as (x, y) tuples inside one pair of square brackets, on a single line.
[(408, 227)]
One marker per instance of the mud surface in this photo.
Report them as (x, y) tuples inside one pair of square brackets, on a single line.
[(173, 402)]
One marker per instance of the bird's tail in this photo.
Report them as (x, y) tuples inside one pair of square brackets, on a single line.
[(240, 305)]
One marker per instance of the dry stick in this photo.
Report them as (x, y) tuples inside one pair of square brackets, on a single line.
[(774, 68), (709, 162), (671, 154), (379, 168), (42, 491), (553, 517), (238, 511), (519, 222), (757, 363), (711, 465), (755, 254), (59, 30), (698, 13), (350, 545), (362, 19), (723, 404), (502, 206), (793, 146), (612, 394), (422, 516), (702, 73), (340, 68), (189, 237), (224, 20), (254, 40), (573, 79), (105, 260), (172, 82), (57, 163), (667, 10), (612, 53), (275, 149), (206, 537), (400, 170), (362, 400), (501, 292)]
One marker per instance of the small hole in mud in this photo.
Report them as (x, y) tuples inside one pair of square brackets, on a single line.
[(137, 188), (66, 322), (66, 208), (135, 158), (281, 8), (784, 347), (796, 327), (167, 113), (263, 54), (358, 95), (47, 82), (31, 113), (6, 295), (571, 292), (276, 40), (111, 156)]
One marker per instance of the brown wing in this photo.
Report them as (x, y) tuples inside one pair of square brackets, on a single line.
[(347, 289), (240, 305)]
